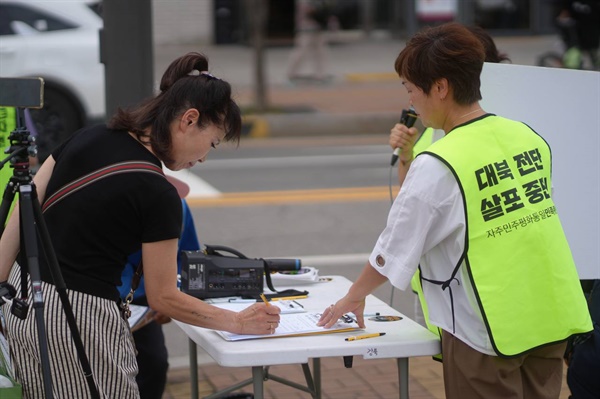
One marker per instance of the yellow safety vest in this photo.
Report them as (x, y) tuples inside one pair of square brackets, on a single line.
[(415, 283), (8, 123), (423, 141), (516, 253)]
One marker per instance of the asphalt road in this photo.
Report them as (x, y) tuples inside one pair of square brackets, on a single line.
[(295, 197)]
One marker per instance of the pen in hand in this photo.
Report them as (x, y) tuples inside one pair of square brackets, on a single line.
[(365, 336), (264, 298)]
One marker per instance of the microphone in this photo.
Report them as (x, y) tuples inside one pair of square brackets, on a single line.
[(408, 119), (276, 265)]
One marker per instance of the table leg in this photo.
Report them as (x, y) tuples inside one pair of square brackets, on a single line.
[(193, 369), (257, 381), (403, 377), (317, 376)]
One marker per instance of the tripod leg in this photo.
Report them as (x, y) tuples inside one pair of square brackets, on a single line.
[(7, 199), (61, 289), (31, 251)]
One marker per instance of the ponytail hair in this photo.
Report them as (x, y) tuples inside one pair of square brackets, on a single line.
[(185, 84)]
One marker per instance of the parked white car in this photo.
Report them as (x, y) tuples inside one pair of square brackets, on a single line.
[(58, 41)]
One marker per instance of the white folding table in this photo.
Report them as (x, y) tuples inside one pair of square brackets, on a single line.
[(404, 338)]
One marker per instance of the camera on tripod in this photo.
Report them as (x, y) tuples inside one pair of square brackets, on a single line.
[(17, 93), (210, 274)]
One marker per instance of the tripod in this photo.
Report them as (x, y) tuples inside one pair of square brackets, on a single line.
[(33, 226)]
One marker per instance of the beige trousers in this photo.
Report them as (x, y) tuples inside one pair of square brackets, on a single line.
[(469, 374)]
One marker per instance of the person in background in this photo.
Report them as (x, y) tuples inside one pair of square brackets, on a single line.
[(313, 19), (95, 228), (579, 24), (583, 353), (152, 355), (485, 173)]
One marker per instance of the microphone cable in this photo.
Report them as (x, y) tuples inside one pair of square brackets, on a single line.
[(408, 119)]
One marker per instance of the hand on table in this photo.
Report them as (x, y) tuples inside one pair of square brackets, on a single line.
[(333, 313)]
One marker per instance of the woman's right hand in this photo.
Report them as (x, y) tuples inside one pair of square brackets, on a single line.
[(404, 138), (258, 319)]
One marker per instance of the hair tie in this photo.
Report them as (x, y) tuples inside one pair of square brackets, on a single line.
[(205, 73), (195, 72)]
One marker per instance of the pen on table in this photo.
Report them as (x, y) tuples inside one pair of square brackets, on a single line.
[(241, 300), (298, 303), (286, 298), (366, 315), (264, 298), (365, 336)]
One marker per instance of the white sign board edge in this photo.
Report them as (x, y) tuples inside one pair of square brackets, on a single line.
[(563, 106)]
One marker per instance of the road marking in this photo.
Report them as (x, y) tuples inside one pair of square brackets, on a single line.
[(379, 158), (202, 194), (352, 194), (198, 187)]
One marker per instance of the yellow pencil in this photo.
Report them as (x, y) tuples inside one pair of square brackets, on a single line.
[(264, 298), (288, 298), (365, 336)]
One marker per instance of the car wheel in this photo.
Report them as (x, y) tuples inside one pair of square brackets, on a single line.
[(55, 122)]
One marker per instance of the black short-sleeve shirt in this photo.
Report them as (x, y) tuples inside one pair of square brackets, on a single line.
[(94, 229)]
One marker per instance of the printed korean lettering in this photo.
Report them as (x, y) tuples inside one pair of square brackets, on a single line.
[(528, 161), (490, 174), (503, 170), (537, 190), (512, 200), (491, 209), (372, 352), (522, 222), (497, 205), (486, 177)]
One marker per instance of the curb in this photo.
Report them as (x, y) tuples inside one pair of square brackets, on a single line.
[(255, 126)]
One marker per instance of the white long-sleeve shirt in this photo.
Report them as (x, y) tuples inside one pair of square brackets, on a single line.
[(426, 226)]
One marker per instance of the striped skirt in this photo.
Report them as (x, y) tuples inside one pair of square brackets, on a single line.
[(105, 335)]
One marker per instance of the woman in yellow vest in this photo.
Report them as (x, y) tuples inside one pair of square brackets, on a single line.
[(475, 213), (404, 138)]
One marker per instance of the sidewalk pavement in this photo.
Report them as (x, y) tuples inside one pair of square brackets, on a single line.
[(367, 379), (364, 97)]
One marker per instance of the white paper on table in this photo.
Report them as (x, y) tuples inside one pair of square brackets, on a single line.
[(296, 324), (286, 306)]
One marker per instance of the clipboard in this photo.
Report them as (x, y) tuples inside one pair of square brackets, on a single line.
[(297, 324), (140, 316)]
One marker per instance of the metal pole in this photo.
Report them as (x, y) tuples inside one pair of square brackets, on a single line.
[(126, 50), (258, 11)]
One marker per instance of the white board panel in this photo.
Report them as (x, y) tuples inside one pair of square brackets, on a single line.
[(563, 106)]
